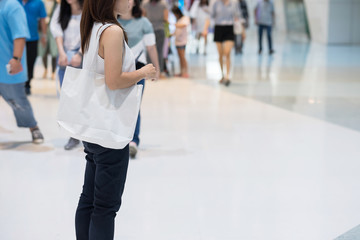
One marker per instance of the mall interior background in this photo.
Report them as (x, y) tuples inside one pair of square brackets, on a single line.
[(274, 156)]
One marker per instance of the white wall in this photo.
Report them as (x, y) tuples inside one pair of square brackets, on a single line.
[(356, 22), (334, 21), (317, 13)]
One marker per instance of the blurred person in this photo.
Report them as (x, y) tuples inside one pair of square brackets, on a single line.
[(35, 14), (13, 33), (240, 39), (65, 27), (166, 48), (224, 13), (141, 39), (50, 47), (181, 39), (157, 13), (201, 16), (265, 19), (106, 168)]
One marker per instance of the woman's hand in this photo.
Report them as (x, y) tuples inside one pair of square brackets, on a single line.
[(62, 60), (76, 60), (149, 71), (204, 33)]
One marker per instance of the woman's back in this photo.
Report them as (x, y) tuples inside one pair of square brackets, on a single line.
[(92, 60)]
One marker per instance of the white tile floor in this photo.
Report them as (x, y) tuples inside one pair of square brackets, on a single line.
[(213, 165)]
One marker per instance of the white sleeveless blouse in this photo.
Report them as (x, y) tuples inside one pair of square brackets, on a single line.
[(93, 62)]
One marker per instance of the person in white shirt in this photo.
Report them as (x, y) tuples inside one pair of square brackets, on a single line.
[(65, 27), (106, 168), (200, 13)]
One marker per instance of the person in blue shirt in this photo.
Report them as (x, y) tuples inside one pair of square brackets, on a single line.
[(265, 19), (35, 13), (13, 70)]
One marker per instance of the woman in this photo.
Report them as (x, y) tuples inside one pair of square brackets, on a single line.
[(157, 12), (182, 22), (141, 39), (202, 22), (224, 13), (64, 26), (106, 168)]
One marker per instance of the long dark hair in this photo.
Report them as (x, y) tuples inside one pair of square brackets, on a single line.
[(177, 12), (136, 11), (96, 11), (204, 3), (65, 13)]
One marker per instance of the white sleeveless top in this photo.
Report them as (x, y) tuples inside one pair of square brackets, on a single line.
[(93, 62)]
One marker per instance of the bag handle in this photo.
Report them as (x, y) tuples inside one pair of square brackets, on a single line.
[(95, 54)]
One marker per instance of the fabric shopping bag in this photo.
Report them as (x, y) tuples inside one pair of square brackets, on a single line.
[(238, 27), (91, 112)]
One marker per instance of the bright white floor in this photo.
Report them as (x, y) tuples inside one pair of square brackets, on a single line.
[(215, 163)]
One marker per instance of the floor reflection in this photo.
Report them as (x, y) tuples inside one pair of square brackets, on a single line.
[(307, 78)]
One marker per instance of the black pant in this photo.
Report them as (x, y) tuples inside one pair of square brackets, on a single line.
[(268, 33), (31, 54), (104, 182)]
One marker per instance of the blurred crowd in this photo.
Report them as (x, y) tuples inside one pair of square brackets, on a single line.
[(51, 30)]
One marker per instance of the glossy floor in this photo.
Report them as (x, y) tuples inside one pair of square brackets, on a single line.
[(264, 159)]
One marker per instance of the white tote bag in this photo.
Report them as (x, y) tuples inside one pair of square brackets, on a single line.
[(238, 27), (91, 112)]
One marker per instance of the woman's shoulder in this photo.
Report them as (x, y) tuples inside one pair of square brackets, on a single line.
[(110, 31), (143, 20)]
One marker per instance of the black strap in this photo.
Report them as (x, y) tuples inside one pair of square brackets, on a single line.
[(137, 58)]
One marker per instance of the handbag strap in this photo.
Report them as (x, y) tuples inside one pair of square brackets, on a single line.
[(93, 52)]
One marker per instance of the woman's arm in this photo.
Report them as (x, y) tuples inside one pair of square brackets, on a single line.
[(166, 15), (153, 54), (58, 34), (111, 48), (62, 54), (206, 27)]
